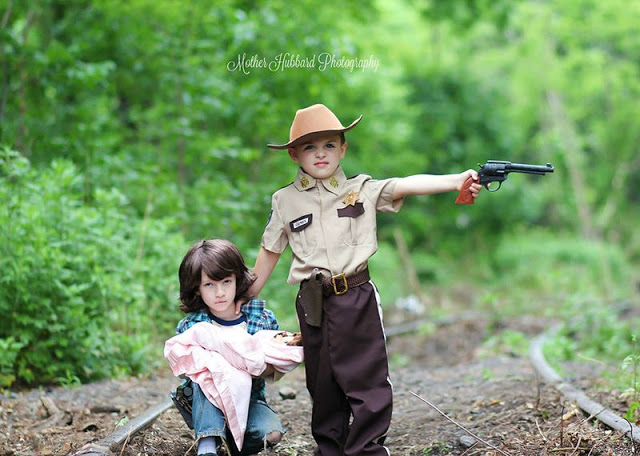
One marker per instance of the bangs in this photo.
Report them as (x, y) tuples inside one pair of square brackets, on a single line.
[(218, 268), (219, 260)]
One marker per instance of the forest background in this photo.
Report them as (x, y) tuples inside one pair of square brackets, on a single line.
[(130, 129)]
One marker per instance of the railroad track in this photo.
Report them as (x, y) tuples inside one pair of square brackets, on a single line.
[(115, 440), (113, 443), (588, 405)]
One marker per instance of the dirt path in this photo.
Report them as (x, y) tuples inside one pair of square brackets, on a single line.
[(496, 397)]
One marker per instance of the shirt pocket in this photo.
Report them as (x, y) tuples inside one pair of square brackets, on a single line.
[(355, 233), (303, 241)]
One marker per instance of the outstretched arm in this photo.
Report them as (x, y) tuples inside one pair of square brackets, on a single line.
[(428, 184)]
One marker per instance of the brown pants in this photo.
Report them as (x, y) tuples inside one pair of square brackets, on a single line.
[(348, 375)]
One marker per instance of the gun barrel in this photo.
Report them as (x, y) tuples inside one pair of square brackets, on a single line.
[(498, 167), (529, 169)]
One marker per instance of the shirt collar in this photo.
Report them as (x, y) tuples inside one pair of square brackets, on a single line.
[(333, 184), (221, 322)]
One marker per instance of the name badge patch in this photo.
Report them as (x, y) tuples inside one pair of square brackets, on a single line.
[(301, 223)]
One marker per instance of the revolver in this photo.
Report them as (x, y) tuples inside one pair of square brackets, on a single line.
[(497, 171)]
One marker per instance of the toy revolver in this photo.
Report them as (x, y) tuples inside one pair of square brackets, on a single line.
[(497, 171)]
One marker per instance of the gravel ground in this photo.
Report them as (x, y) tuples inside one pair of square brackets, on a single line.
[(495, 397)]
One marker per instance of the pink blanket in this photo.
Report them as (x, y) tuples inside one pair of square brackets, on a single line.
[(223, 360)]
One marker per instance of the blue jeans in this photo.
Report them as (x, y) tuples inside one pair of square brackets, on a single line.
[(209, 421)]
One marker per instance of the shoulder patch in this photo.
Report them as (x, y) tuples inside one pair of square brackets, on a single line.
[(270, 215)]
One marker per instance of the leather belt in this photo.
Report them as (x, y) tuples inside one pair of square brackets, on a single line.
[(339, 284)]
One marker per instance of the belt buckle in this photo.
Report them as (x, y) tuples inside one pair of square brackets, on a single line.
[(342, 277)]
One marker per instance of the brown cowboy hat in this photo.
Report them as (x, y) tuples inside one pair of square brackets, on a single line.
[(313, 121)]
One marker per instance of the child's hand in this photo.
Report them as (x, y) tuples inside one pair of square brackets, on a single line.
[(289, 338), (296, 340), (475, 186), (239, 304)]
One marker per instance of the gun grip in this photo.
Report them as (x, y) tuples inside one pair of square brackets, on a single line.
[(464, 197)]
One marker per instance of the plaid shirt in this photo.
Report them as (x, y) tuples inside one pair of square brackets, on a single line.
[(254, 311)]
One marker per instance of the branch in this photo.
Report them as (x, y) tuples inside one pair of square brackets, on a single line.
[(459, 425)]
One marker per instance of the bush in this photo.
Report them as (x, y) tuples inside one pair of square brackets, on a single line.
[(554, 265), (84, 287)]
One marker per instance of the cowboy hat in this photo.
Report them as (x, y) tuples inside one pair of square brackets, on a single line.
[(313, 121)]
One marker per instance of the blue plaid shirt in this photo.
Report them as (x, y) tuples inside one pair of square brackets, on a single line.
[(257, 318), (254, 311)]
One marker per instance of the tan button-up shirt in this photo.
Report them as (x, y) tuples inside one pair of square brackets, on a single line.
[(330, 224)]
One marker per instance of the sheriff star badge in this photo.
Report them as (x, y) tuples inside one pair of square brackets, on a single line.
[(351, 199)]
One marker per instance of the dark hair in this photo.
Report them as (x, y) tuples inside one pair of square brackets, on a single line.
[(218, 259)]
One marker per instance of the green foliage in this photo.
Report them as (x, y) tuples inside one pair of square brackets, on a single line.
[(601, 335), (81, 284), (559, 267), (558, 349), (509, 342), (389, 274), (139, 132), (9, 349), (464, 14), (631, 365)]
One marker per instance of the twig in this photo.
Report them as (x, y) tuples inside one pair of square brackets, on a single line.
[(544, 437), (590, 417), (633, 443), (538, 392), (469, 449), (189, 449), (106, 409), (577, 446), (56, 417), (562, 427), (459, 425), (124, 444)]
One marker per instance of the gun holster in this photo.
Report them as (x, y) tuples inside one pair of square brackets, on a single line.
[(311, 298), (182, 398)]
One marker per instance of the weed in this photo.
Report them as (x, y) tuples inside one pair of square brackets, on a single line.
[(632, 363)]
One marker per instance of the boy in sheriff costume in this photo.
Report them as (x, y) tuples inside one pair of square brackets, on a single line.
[(329, 221)]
